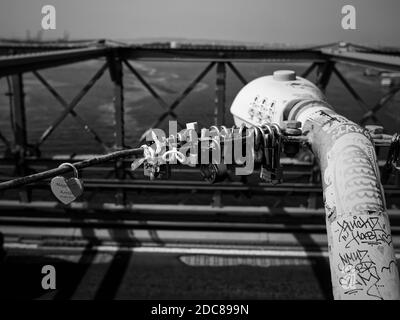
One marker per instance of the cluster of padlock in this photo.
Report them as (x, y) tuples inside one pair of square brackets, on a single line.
[(268, 143), (270, 140)]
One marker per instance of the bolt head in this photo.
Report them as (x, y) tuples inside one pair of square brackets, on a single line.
[(292, 124), (375, 129), (284, 75)]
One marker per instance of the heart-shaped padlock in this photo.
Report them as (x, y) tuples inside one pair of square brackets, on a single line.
[(64, 189)]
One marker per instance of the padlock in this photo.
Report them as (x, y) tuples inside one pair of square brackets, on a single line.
[(276, 168), (265, 171), (214, 172), (258, 149), (271, 171), (67, 190), (151, 168), (269, 142)]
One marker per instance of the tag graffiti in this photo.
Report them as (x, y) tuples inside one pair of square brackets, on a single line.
[(363, 229), (361, 273), (362, 255)]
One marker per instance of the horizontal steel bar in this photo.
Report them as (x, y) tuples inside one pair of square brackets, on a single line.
[(297, 187), (189, 186), (28, 62), (36, 61), (367, 59), (224, 55), (67, 157), (160, 225), (145, 208)]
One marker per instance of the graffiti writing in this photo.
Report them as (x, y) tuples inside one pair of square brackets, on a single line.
[(363, 255), (363, 229), (360, 272)]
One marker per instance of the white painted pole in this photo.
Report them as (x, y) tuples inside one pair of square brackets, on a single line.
[(361, 254)]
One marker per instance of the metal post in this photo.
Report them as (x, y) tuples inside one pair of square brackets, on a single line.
[(18, 110), (219, 115), (116, 73), (362, 259), (19, 128)]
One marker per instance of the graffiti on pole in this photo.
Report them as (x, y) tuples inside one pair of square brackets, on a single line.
[(363, 255)]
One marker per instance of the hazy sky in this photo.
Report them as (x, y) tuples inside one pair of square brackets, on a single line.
[(295, 21)]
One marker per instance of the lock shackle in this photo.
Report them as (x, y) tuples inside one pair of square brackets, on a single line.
[(277, 129), (67, 164), (224, 131), (260, 132), (271, 133)]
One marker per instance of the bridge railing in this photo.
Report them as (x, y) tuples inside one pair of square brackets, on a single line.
[(22, 158)]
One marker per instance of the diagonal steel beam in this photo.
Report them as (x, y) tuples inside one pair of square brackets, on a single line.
[(324, 72), (18, 112), (73, 104), (154, 93), (64, 103), (180, 98), (382, 102), (308, 70), (352, 91), (237, 73)]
